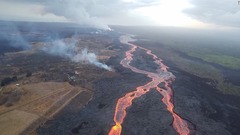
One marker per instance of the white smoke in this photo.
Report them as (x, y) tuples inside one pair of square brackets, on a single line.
[(78, 11), (60, 48), (10, 35), (91, 58)]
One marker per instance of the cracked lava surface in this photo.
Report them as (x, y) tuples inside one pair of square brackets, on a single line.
[(160, 76)]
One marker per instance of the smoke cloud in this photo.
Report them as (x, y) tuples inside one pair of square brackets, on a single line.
[(78, 11), (91, 58), (10, 36), (224, 12), (60, 48)]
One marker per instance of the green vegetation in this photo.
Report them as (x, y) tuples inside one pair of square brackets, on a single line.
[(228, 88), (209, 72), (223, 60)]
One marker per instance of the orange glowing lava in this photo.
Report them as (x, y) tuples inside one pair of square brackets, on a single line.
[(161, 76)]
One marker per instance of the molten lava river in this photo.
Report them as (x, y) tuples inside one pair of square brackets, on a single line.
[(160, 76)]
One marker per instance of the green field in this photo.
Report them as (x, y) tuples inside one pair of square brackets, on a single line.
[(208, 71), (223, 60)]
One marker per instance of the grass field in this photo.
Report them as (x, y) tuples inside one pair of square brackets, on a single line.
[(14, 122), (223, 60), (40, 100)]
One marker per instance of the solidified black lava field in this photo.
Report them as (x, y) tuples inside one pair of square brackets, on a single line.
[(209, 111)]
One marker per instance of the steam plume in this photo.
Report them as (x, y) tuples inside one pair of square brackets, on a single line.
[(91, 58), (60, 48), (10, 36), (78, 11)]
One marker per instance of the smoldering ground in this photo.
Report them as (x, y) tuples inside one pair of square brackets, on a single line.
[(69, 50)]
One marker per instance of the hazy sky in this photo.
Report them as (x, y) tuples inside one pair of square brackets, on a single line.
[(100, 13)]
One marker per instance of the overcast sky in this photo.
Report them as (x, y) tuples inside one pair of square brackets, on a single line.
[(100, 13)]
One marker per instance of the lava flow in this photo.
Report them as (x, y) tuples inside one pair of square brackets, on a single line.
[(161, 76)]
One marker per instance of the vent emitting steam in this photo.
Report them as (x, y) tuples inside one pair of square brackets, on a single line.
[(60, 48), (91, 58)]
